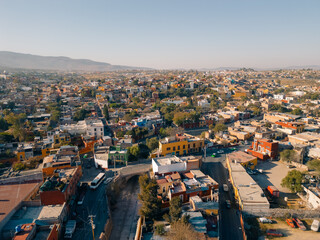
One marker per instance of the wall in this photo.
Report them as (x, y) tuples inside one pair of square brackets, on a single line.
[(33, 177), (52, 197), (280, 213)]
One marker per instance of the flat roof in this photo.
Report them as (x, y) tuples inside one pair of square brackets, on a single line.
[(249, 191), (240, 157), (12, 194), (162, 161)]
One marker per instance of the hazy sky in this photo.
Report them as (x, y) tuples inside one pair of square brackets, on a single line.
[(166, 33)]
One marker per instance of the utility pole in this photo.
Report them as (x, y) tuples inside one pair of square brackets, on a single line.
[(92, 224)]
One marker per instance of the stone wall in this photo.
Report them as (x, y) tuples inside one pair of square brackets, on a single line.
[(280, 212)]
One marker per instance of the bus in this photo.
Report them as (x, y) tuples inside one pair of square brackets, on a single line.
[(97, 180)]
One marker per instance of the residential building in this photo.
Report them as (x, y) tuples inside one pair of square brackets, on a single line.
[(264, 149), (181, 144), (59, 188)]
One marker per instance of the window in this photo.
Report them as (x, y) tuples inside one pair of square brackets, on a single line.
[(95, 129), (194, 145), (168, 149), (174, 148), (178, 147), (184, 146), (188, 145), (164, 189), (200, 144)]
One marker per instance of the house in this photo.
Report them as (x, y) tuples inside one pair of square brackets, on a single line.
[(170, 164), (59, 188), (181, 144), (264, 149), (246, 160), (297, 126), (312, 196)]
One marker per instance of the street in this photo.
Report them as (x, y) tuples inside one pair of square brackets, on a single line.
[(125, 216), (230, 227)]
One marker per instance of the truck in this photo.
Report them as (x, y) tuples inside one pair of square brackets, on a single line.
[(225, 187), (273, 191), (70, 227), (315, 225)]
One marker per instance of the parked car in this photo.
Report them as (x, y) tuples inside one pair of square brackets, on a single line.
[(315, 225), (220, 151), (264, 220), (299, 224), (274, 232), (290, 223)]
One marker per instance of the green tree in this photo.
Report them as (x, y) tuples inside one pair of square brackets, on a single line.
[(297, 111), (293, 181), (106, 112), (151, 204), (203, 135), (175, 209), (182, 231), (220, 127), (80, 114), (3, 124), (134, 152), (288, 155), (18, 166), (314, 165), (152, 143)]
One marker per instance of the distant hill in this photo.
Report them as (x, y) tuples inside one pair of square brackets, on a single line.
[(12, 60)]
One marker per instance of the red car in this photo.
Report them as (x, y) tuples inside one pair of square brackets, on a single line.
[(299, 224), (273, 232), (290, 223)]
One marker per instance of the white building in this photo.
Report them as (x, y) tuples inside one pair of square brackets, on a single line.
[(163, 165), (101, 157), (204, 103), (88, 127), (278, 96), (313, 196)]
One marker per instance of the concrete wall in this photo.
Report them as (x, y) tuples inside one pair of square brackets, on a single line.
[(280, 212), (34, 177)]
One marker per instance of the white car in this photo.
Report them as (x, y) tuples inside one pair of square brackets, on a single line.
[(265, 220)]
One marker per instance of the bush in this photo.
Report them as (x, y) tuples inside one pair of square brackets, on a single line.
[(18, 166), (160, 230)]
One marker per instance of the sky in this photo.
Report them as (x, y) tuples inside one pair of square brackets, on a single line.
[(166, 34)]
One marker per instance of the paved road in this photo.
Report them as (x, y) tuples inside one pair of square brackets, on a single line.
[(125, 216), (230, 227), (95, 203)]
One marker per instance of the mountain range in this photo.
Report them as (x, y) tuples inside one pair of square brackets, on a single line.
[(13, 60), (22, 61)]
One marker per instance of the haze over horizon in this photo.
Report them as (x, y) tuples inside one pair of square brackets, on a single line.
[(167, 34)]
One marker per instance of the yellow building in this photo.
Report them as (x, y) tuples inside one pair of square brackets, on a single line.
[(61, 139), (181, 144)]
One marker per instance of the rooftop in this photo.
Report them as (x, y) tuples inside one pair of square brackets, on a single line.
[(11, 196), (240, 157), (162, 161)]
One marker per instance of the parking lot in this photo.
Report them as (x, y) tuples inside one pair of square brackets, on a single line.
[(273, 173), (292, 233)]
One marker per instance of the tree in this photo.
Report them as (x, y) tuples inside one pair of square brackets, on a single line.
[(80, 114), (288, 155), (3, 124), (179, 118), (152, 143), (175, 209), (268, 125), (182, 231), (106, 112), (220, 127), (18, 166), (314, 165), (293, 181), (134, 152), (297, 111), (151, 204)]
